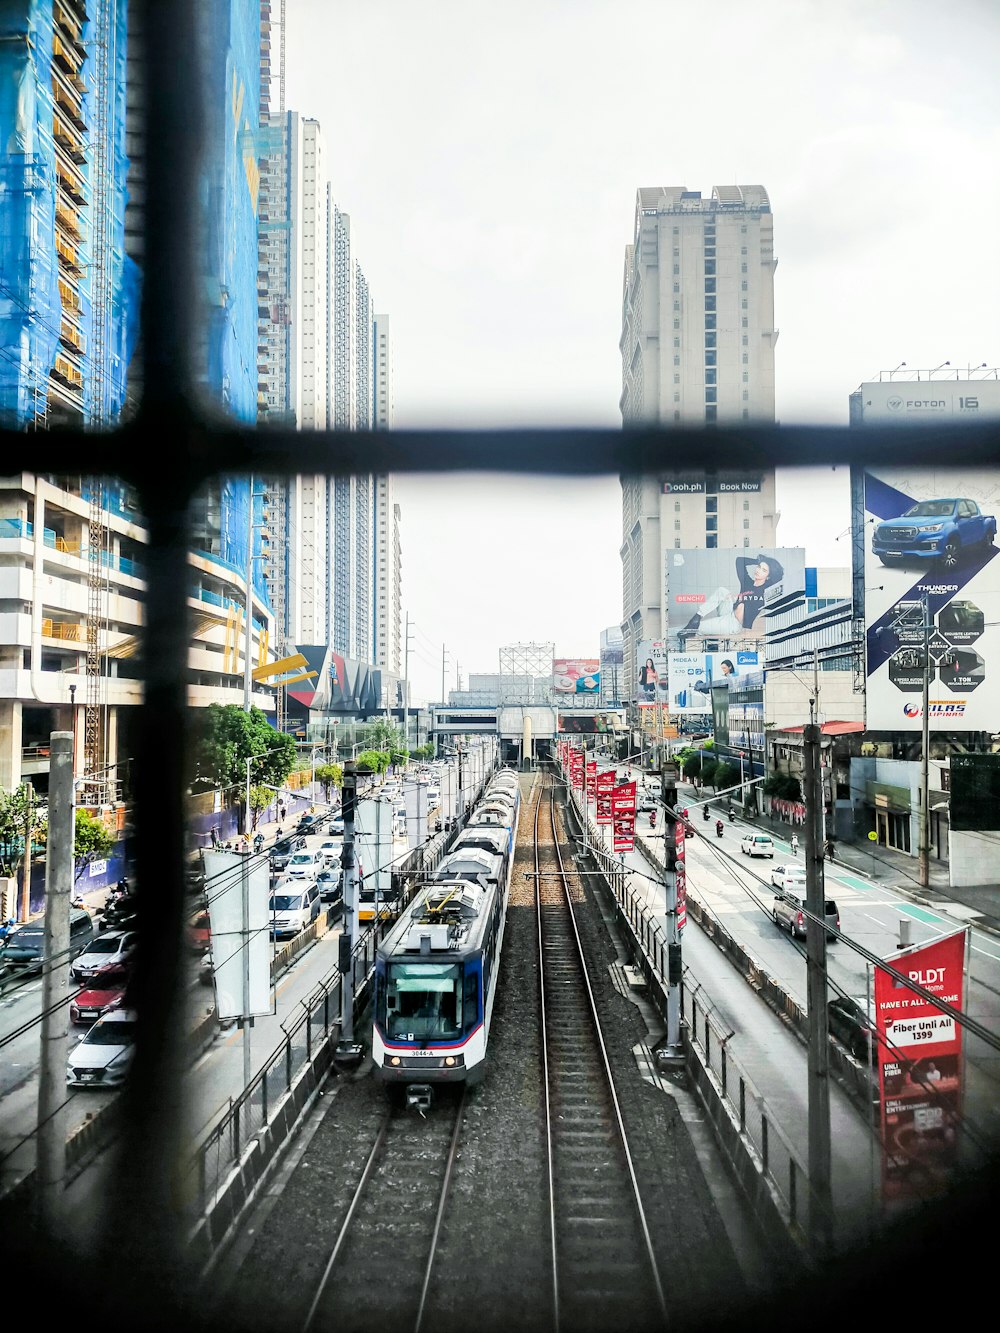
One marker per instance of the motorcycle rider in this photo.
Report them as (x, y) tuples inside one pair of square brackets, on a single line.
[(704, 812), (795, 844), (652, 819), (718, 828)]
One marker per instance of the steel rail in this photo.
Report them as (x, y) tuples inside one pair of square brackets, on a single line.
[(346, 1224), (445, 1187), (619, 1120), (545, 1069)]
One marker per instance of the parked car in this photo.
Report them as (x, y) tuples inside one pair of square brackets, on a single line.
[(757, 844), (23, 949), (107, 957), (847, 1022), (199, 931), (283, 851), (87, 1006), (939, 529), (293, 907), (102, 1058), (788, 877), (788, 912)]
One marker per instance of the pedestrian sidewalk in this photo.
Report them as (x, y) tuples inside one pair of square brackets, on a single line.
[(881, 865)]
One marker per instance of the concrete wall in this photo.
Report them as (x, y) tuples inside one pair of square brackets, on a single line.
[(974, 858)]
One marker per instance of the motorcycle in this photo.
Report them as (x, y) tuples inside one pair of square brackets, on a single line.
[(731, 816), (258, 842), (652, 819), (718, 828), (704, 812)]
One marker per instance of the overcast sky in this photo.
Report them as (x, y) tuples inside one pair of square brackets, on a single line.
[(489, 154)]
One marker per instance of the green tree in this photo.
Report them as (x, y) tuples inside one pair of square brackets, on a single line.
[(226, 737), (374, 761), (330, 775), (260, 799), (91, 841), (707, 773), (726, 775), (384, 735), (399, 757), (18, 820), (692, 765)]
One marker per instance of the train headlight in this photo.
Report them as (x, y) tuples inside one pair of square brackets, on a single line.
[(395, 1060), (449, 1060)]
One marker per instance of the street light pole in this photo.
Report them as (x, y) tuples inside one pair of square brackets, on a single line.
[(820, 1189), (924, 862)]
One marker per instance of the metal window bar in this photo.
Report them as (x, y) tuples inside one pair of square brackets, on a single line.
[(149, 1258)]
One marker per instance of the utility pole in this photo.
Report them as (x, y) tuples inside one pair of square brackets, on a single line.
[(406, 685), (820, 1192), (924, 862), (671, 1053), (349, 1052), (52, 1102)]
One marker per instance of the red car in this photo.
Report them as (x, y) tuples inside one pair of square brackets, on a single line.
[(199, 932), (87, 1006)]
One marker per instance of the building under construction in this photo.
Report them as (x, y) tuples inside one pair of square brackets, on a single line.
[(72, 548)]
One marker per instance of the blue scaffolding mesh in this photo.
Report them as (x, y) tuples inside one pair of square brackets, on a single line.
[(30, 308)]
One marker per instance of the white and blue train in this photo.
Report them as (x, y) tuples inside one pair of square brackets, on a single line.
[(436, 970)]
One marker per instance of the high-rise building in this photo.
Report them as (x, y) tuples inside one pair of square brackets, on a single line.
[(293, 366), (388, 561), (697, 347)]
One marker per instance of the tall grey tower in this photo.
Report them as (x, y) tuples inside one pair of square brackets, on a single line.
[(697, 347)]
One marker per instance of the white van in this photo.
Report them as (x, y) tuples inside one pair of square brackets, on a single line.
[(293, 907)]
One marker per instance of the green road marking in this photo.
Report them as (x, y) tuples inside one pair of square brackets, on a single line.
[(921, 914), (853, 882)]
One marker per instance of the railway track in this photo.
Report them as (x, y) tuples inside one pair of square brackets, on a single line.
[(604, 1270), (382, 1262)]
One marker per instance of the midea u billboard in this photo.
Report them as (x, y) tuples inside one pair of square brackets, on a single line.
[(932, 533)]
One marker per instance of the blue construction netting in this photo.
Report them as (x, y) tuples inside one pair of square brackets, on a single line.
[(231, 187), (104, 387), (30, 308)]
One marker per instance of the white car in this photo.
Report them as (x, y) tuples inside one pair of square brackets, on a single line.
[(331, 850), (433, 794), (108, 953), (788, 877), (304, 865), (757, 844), (102, 1058)]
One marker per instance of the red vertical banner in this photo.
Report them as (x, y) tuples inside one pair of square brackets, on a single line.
[(576, 769), (623, 817), (592, 780), (605, 786), (921, 1070), (680, 871)]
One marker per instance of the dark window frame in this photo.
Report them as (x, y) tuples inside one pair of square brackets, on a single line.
[(204, 445)]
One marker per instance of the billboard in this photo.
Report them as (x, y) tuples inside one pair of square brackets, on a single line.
[(650, 671), (908, 402), (612, 647), (931, 534), (720, 593), (920, 1070), (731, 485), (691, 676), (576, 675), (591, 723)]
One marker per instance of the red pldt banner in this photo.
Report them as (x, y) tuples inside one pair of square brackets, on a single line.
[(623, 835), (681, 875), (921, 1070), (592, 780), (605, 786), (623, 799)]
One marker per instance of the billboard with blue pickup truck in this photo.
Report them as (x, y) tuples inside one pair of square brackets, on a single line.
[(927, 549)]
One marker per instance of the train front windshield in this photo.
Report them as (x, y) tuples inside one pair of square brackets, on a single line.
[(422, 1001)]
